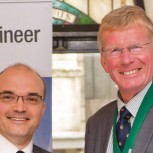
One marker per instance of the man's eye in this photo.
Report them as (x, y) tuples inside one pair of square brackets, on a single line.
[(116, 50), (7, 97), (135, 48), (32, 99)]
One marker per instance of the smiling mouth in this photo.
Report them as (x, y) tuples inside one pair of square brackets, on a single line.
[(18, 119), (130, 72)]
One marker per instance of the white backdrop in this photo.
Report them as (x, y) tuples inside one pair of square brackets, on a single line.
[(26, 37), (25, 18)]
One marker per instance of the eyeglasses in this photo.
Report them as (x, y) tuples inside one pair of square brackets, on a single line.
[(134, 49), (13, 98)]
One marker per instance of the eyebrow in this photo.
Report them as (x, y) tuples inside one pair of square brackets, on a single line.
[(33, 94), (7, 92)]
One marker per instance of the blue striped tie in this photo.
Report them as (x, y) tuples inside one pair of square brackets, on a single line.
[(123, 127)]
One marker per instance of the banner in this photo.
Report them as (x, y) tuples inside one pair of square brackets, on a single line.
[(26, 37)]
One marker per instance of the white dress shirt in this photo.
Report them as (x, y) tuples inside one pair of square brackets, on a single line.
[(133, 107), (7, 147)]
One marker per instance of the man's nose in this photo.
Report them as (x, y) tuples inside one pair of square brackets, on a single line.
[(126, 56), (19, 106)]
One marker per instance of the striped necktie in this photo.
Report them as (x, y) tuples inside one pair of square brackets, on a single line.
[(123, 127)]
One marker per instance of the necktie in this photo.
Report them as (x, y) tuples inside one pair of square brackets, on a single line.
[(123, 127), (19, 151)]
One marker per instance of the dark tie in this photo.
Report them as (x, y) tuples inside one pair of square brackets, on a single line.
[(19, 151), (123, 127)]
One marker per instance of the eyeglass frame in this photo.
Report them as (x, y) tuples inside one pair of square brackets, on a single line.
[(120, 50), (40, 98)]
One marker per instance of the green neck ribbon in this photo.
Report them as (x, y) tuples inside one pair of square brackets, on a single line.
[(140, 117)]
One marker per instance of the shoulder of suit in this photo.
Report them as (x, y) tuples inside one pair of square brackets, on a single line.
[(110, 107), (37, 149)]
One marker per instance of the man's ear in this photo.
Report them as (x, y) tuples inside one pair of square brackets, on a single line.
[(104, 63)]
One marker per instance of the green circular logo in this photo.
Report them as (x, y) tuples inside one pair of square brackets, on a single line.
[(63, 13)]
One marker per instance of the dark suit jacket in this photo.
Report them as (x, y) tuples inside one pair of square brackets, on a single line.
[(99, 126), (37, 149)]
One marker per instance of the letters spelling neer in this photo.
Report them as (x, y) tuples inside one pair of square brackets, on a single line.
[(18, 36)]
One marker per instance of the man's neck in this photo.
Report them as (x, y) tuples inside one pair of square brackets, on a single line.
[(19, 142)]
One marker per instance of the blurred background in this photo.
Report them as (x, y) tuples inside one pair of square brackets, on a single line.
[(79, 84)]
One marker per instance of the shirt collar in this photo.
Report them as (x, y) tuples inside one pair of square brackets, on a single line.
[(134, 104), (28, 148), (12, 148)]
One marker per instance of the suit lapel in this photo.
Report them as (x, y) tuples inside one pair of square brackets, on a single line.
[(145, 134), (108, 122)]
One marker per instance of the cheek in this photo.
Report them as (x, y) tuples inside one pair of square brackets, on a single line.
[(109, 65), (4, 122), (37, 113), (36, 118), (147, 61), (3, 110), (104, 64)]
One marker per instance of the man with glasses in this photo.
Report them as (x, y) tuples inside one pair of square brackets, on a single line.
[(125, 125), (22, 92)]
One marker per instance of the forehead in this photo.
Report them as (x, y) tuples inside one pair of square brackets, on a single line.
[(131, 35), (22, 79)]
